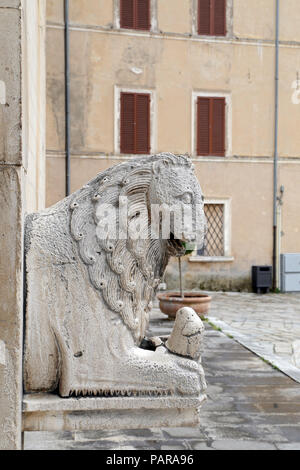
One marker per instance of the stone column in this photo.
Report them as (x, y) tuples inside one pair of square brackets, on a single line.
[(15, 172)]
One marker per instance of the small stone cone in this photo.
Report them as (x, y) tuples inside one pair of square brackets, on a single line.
[(187, 335)]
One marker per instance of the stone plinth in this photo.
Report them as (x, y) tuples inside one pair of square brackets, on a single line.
[(46, 412)]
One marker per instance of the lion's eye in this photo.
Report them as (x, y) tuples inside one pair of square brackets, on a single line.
[(187, 198)]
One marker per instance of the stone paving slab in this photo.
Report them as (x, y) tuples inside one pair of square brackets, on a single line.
[(268, 325), (250, 406)]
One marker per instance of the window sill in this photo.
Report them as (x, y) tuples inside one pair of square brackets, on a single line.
[(140, 30), (211, 259), (133, 155), (210, 156), (212, 36)]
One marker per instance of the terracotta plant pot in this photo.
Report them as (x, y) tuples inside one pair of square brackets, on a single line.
[(171, 302)]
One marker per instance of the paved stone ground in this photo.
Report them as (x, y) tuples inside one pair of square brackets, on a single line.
[(250, 406), (268, 325)]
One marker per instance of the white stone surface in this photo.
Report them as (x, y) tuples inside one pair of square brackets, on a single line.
[(186, 338), (2, 92), (2, 354), (262, 349), (43, 402), (10, 74), (296, 352), (11, 307), (268, 325)]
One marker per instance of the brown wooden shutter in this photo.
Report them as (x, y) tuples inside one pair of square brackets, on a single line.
[(204, 17), (142, 127), (143, 14), (212, 17), (127, 123), (211, 126), (127, 13), (203, 126), (135, 123), (218, 126), (135, 14), (219, 18)]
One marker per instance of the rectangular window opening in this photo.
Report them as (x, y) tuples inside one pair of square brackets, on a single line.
[(135, 123), (135, 14), (214, 245), (211, 126), (212, 17)]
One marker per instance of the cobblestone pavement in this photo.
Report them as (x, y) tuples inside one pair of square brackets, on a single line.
[(268, 325), (250, 405)]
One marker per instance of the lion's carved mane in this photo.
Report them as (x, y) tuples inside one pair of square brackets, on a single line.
[(125, 272)]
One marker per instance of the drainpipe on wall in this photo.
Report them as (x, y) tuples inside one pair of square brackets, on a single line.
[(275, 174), (67, 96), (278, 247)]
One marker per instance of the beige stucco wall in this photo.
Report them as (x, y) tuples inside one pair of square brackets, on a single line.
[(253, 19), (174, 67), (256, 19), (174, 64), (179, 21)]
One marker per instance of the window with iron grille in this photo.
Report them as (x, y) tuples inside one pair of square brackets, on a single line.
[(135, 123), (135, 14), (214, 241), (212, 17)]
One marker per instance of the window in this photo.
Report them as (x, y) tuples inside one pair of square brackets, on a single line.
[(212, 17), (217, 243), (214, 240), (135, 123), (211, 126), (135, 14)]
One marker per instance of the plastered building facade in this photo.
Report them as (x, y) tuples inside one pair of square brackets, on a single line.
[(176, 65)]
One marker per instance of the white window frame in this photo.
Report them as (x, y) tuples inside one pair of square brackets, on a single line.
[(153, 18), (226, 202), (117, 118), (228, 121)]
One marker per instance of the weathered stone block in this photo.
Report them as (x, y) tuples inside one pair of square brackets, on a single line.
[(10, 3), (44, 412), (11, 307), (10, 76)]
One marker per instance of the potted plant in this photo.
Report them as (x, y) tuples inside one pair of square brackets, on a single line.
[(171, 302)]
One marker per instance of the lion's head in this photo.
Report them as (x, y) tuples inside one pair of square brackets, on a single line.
[(117, 222)]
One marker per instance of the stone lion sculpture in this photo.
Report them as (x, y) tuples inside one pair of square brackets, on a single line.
[(89, 295)]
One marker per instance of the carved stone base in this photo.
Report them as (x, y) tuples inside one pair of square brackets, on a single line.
[(46, 412)]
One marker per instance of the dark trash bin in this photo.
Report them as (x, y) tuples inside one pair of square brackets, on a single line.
[(261, 279)]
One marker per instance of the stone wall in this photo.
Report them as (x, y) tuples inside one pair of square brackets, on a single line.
[(11, 203), (18, 166)]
